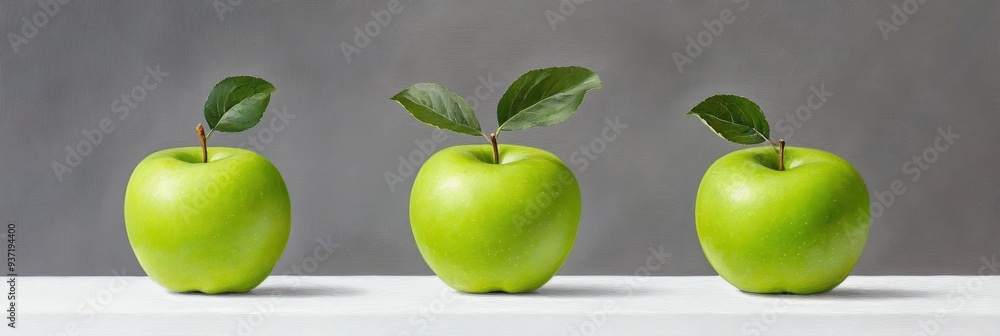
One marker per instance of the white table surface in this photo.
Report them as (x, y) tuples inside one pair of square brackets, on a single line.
[(567, 305)]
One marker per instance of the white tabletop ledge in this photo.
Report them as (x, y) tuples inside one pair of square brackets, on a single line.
[(568, 305)]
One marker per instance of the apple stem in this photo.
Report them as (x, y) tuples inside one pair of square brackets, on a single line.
[(781, 154), (496, 152), (204, 145)]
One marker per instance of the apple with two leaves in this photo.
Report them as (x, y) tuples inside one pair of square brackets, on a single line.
[(489, 218)]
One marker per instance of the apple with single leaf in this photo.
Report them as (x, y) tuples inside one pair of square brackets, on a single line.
[(211, 219), (777, 219), (489, 218)]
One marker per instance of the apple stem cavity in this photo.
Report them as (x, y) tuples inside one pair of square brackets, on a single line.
[(781, 154), (496, 151), (204, 142)]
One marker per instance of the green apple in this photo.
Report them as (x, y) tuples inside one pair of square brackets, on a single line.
[(485, 227), (800, 230), (777, 220), (497, 218), (211, 227), (211, 220)]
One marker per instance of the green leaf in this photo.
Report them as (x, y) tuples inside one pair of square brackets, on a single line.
[(237, 103), (733, 118), (437, 106), (544, 97)]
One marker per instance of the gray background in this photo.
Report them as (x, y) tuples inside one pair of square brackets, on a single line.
[(938, 70)]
